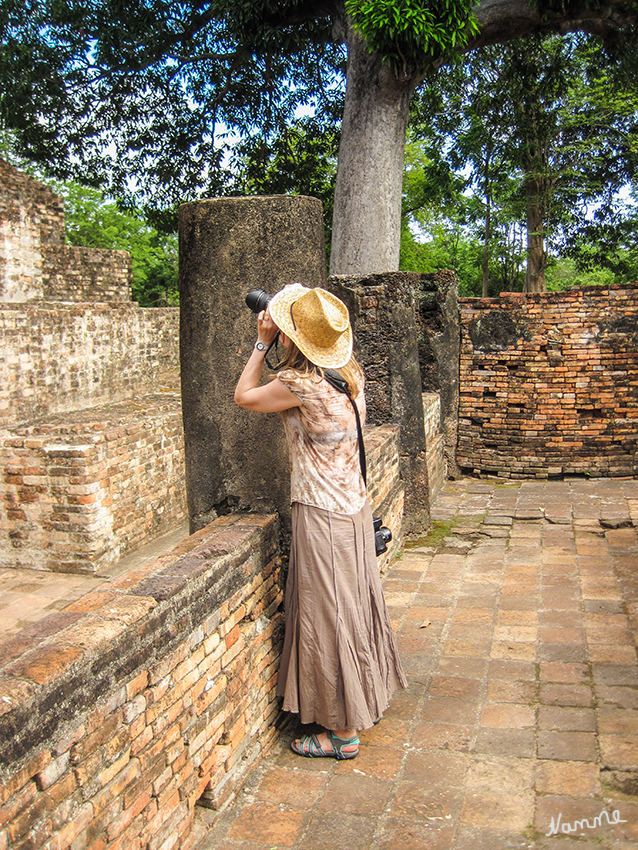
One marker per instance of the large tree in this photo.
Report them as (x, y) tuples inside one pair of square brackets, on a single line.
[(133, 92)]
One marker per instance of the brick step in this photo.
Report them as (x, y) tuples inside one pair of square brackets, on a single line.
[(143, 694), (385, 488), (82, 489), (434, 444)]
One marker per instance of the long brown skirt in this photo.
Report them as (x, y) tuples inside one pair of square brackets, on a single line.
[(340, 663)]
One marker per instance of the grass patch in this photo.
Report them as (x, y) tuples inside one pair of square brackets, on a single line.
[(435, 535)]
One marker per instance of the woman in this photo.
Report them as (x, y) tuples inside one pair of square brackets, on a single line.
[(339, 664)]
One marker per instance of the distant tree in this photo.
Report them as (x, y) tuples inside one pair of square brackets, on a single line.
[(563, 273), (543, 131), (463, 112), (578, 140)]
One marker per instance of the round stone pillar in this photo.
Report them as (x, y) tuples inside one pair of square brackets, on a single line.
[(236, 459)]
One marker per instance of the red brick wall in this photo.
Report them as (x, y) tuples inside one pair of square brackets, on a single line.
[(118, 713), (80, 491), (549, 383)]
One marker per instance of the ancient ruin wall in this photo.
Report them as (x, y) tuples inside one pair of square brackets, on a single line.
[(236, 460), (35, 264), (81, 490), (435, 439), (30, 216), (24, 199), (438, 329), (118, 714), (71, 273), (91, 436), (406, 337), (156, 691), (383, 315), (549, 383), (57, 358)]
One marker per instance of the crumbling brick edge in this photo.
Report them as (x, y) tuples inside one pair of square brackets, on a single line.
[(119, 713)]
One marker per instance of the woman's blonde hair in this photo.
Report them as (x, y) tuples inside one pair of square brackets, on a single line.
[(294, 359)]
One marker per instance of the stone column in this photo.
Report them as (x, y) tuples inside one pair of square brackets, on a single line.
[(439, 351), (236, 459), (383, 311)]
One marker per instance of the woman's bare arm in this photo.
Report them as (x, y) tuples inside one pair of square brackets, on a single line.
[(273, 396)]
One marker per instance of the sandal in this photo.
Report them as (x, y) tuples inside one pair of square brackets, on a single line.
[(310, 747)]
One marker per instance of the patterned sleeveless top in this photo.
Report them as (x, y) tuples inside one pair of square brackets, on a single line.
[(323, 446)]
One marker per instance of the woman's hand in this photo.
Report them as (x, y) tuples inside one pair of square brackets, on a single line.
[(266, 329), (273, 396)]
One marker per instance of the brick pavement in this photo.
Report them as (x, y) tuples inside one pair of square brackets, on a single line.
[(516, 619)]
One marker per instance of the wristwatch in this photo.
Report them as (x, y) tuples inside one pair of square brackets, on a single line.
[(261, 346)]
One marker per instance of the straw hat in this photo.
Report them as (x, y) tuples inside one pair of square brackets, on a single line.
[(316, 321)]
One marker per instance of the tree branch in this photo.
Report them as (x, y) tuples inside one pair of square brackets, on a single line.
[(309, 10), (503, 20)]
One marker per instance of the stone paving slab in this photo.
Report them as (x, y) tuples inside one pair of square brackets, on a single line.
[(516, 619)]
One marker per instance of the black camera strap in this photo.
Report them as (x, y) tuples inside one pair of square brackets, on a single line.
[(381, 534), (272, 345), (334, 379)]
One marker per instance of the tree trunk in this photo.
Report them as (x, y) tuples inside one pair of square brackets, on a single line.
[(488, 222), (536, 256), (366, 232)]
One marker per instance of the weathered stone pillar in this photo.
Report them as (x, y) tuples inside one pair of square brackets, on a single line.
[(439, 351), (383, 311), (235, 459)]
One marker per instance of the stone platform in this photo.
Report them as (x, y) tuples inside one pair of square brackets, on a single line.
[(517, 620)]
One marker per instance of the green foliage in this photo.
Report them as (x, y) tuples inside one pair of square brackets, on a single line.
[(95, 222), (446, 246), (143, 98), (563, 274), (545, 121), (409, 34), (301, 160), (611, 246)]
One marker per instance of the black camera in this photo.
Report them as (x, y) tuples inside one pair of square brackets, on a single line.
[(258, 300), (382, 536)]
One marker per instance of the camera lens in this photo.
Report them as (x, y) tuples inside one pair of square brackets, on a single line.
[(257, 300)]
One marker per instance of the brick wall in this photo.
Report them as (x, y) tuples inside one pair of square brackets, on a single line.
[(35, 264), (117, 714), (31, 216), (56, 358), (383, 313), (439, 340), (385, 488), (549, 383), (70, 273), (154, 692), (80, 491)]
